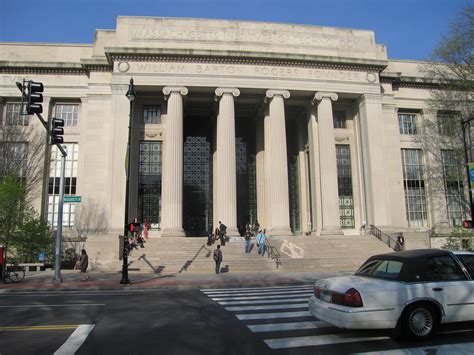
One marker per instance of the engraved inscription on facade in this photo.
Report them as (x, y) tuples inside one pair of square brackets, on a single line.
[(232, 36), (253, 71)]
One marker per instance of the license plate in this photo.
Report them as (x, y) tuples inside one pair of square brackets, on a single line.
[(325, 296)]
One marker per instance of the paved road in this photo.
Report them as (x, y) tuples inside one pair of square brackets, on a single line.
[(263, 320)]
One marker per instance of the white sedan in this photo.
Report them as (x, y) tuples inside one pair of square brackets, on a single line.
[(411, 292)]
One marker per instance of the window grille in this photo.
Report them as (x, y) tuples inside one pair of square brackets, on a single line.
[(13, 116), (339, 119), (344, 180), (454, 191)]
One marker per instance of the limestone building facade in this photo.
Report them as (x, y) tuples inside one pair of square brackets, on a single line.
[(311, 130)]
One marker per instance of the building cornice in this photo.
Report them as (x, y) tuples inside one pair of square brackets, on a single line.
[(241, 57)]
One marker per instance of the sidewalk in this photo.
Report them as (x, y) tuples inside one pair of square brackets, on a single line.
[(42, 280)]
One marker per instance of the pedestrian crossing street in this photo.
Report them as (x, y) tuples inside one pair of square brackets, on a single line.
[(280, 315)]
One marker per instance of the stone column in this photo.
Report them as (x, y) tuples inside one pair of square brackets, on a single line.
[(328, 164), (226, 194), (172, 189), (276, 165)]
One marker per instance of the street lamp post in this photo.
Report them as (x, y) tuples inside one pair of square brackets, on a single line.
[(130, 96), (465, 124)]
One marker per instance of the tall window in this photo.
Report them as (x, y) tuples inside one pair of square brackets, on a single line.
[(414, 184), (13, 116), (149, 176), (453, 180), (344, 182), (67, 112), (151, 114), (448, 123), (70, 184), (407, 123), (339, 119)]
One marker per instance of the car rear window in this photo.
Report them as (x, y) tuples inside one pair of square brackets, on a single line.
[(381, 269), (468, 261)]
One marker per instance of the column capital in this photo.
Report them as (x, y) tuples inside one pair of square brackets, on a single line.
[(324, 95), (167, 90), (233, 91), (271, 93)]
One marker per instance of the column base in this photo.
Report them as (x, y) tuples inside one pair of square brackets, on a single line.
[(332, 230), (280, 232), (173, 232), (232, 232)]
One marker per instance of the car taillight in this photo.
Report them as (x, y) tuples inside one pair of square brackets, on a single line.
[(317, 292), (352, 298)]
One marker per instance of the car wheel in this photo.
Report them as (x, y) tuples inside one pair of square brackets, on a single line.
[(420, 321)]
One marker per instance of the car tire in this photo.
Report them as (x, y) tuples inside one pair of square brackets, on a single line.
[(420, 321)]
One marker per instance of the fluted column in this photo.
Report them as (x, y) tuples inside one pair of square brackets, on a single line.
[(328, 164), (276, 165), (172, 189), (226, 194)]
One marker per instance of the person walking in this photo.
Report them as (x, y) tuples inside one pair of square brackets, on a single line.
[(84, 265), (218, 258), (222, 232), (261, 242), (248, 239)]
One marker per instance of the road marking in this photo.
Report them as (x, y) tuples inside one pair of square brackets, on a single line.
[(39, 327), (290, 300), (328, 339), (272, 306), (204, 290), (267, 293), (55, 305), (258, 291), (448, 349), (257, 297), (278, 327), (273, 315), (75, 340)]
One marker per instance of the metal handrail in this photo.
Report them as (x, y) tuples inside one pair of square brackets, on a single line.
[(272, 252), (383, 237)]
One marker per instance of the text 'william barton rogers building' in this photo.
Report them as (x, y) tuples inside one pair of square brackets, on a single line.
[(311, 130)]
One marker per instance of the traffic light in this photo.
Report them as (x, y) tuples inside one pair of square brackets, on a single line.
[(57, 130), (467, 224), (34, 98)]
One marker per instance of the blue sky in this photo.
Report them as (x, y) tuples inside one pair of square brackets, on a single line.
[(409, 28)]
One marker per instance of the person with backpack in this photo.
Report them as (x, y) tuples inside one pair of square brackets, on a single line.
[(218, 258), (261, 242)]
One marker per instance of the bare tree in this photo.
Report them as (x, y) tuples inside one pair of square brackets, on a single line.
[(450, 72)]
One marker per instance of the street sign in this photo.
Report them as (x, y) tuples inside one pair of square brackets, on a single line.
[(72, 199), (471, 174)]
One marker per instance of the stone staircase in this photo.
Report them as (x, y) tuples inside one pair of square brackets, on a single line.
[(323, 253), (170, 255), (173, 255)]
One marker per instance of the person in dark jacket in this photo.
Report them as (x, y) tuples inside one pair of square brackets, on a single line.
[(84, 265), (218, 258)]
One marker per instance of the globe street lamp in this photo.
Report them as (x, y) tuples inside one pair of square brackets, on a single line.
[(131, 97)]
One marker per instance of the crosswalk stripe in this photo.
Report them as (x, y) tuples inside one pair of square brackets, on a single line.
[(459, 349), (328, 339), (278, 327), (273, 315), (287, 300), (257, 297), (272, 306), (204, 290), (259, 293)]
